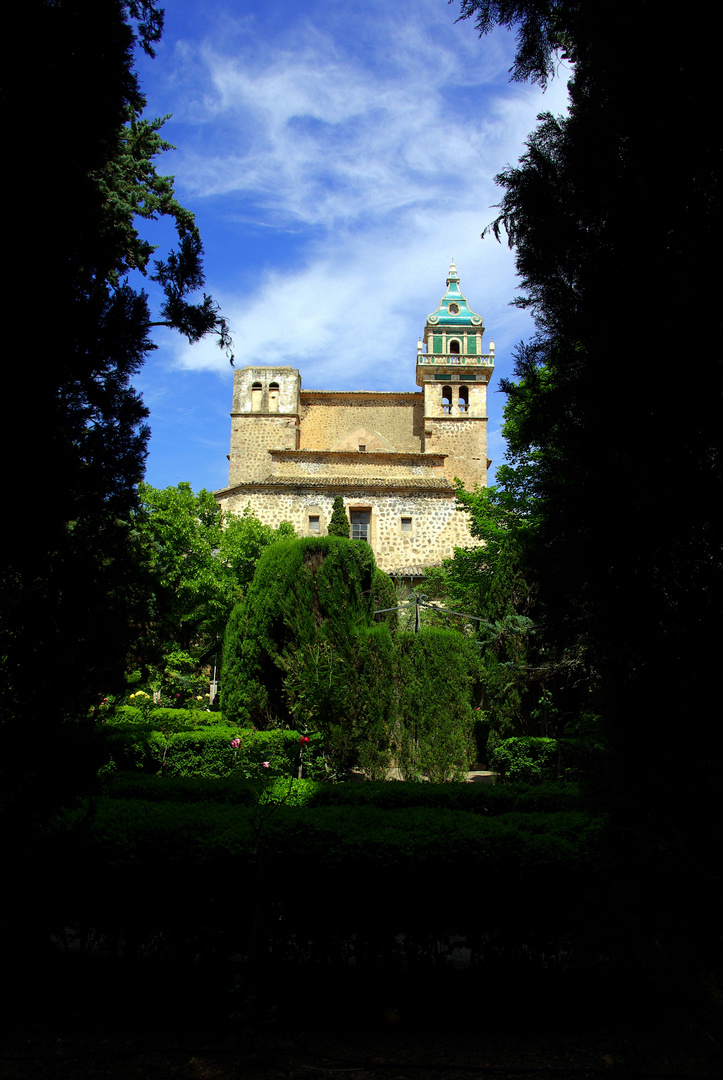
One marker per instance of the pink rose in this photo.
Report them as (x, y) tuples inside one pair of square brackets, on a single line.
[(235, 743)]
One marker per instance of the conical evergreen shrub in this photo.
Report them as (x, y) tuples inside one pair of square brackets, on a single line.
[(339, 524)]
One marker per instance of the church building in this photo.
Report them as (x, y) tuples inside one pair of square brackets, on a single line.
[(392, 456)]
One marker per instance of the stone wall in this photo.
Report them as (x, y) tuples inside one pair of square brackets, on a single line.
[(465, 443), (327, 417), (436, 526), (251, 439), (331, 463)]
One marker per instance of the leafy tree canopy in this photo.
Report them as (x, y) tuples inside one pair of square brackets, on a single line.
[(199, 565)]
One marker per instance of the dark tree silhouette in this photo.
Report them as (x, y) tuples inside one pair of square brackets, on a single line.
[(615, 411), (77, 332)]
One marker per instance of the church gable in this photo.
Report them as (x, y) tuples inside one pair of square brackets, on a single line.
[(364, 441)]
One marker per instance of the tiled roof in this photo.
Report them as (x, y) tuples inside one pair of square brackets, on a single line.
[(388, 483)]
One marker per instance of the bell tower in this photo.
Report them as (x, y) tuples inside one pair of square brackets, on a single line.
[(264, 416), (454, 372)]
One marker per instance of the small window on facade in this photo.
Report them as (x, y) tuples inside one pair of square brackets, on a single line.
[(406, 524), (313, 522), (256, 392), (360, 520), (454, 347), (362, 448), (463, 399), (446, 400), (273, 397)]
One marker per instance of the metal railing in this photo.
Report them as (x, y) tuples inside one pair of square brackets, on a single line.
[(468, 359)]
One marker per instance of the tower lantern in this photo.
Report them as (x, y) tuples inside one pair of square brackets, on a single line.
[(454, 373)]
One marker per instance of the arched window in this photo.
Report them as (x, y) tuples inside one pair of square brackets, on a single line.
[(273, 397), (454, 347), (256, 392), (446, 400), (464, 399)]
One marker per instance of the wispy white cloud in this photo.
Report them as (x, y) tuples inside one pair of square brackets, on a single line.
[(372, 134)]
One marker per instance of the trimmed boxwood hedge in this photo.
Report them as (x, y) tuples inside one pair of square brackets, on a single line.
[(326, 838), (167, 719), (328, 879), (486, 799), (203, 752)]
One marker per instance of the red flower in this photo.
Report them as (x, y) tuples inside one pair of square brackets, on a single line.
[(303, 739)]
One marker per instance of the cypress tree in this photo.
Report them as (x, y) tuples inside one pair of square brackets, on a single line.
[(339, 524)]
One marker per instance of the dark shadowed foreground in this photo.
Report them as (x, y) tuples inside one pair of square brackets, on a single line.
[(111, 1022)]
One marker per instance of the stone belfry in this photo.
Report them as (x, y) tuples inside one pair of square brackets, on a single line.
[(264, 416), (454, 373)]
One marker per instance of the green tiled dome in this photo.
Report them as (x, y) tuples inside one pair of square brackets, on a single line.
[(453, 310)]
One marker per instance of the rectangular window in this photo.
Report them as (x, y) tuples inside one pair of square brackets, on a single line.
[(362, 448), (313, 522), (406, 524), (360, 520)]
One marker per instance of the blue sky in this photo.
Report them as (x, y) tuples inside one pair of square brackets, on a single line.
[(337, 154)]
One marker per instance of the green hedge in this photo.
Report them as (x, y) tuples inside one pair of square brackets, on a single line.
[(533, 760), (167, 719), (437, 671), (326, 837), (202, 752), (485, 799), (331, 881)]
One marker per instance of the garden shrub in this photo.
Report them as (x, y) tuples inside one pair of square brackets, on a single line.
[(526, 758), (384, 595), (233, 789), (307, 595), (303, 650), (164, 719), (485, 799), (185, 857), (204, 752), (437, 674), (339, 522)]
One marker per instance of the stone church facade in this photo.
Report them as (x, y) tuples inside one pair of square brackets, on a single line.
[(392, 456)]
